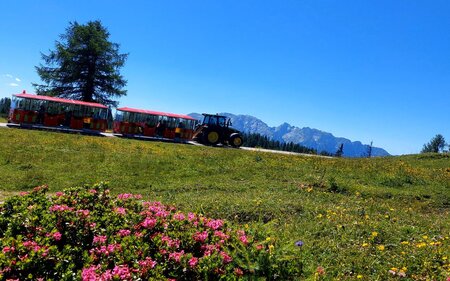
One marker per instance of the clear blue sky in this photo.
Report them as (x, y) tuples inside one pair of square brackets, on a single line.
[(364, 70)]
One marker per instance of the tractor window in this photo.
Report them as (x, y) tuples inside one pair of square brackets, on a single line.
[(222, 121)]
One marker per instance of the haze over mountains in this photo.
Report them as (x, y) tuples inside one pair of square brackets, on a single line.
[(309, 137)]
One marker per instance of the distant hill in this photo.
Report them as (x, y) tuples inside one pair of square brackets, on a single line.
[(313, 138)]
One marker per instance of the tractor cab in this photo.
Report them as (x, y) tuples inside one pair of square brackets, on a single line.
[(216, 120), (217, 129)]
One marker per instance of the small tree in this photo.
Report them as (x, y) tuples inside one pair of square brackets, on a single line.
[(85, 66), (436, 144), (369, 150), (340, 151), (5, 104)]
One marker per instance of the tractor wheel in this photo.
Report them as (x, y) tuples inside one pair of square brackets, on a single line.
[(235, 140), (211, 137)]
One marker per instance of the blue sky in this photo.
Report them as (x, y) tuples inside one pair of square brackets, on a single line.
[(365, 70)]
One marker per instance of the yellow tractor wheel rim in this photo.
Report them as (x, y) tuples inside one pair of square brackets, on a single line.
[(237, 141), (213, 137)]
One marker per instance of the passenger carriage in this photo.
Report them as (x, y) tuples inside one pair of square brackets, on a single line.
[(148, 123), (45, 111)]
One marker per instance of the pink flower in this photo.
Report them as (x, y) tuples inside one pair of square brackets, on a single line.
[(124, 232), (176, 256), (122, 271), (146, 264), (172, 243), (124, 196), (221, 235), (226, 258), (243, 239), (107, 275), (59, 194), (23, 193), (209, 249), (179, 216), (200, 236), (149, 223), (83, 213), (137, 196), (8, 249), (193, 262), (89, 274), (57, 236), (191, 216), (214, 224), (162, 214), (29, 244), (93, 191), (120, 210), (60, 208)]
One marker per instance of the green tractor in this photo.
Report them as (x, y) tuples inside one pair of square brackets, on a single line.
[(217, 129)]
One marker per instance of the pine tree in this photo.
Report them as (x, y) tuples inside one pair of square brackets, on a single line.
[(369, 150), (84, 66), (340, 150), (436, 144)]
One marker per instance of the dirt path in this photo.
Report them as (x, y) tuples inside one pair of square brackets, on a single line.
[(110, 135)]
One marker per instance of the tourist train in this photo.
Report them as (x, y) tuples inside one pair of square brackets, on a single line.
[(52, 113)]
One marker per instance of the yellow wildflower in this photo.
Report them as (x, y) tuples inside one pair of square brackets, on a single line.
[(365, 244), (421, 244), (319, 216), (425, 237), (404, 243), (380, 247), (359, 276), (374, 234)]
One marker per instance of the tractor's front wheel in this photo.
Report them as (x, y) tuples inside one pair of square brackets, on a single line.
[(236, 140), (211, 138)]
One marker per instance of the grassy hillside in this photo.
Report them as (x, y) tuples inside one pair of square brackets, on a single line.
[(358, 218)]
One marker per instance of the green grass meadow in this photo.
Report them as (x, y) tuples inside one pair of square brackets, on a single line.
[(365, 219)]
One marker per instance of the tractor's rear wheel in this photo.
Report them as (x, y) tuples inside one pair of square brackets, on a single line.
[(211, 137), (236, 140)]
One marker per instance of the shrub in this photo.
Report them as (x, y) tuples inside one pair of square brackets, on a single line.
[(84, 233)]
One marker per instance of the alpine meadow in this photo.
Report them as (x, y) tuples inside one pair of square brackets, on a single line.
[(331, 218)]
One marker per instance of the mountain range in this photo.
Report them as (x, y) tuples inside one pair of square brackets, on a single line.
[(309, 137)]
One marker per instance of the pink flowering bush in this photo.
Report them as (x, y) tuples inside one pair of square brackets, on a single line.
[(86, 234)]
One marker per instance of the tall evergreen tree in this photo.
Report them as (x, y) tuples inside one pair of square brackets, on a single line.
[(84, 66)]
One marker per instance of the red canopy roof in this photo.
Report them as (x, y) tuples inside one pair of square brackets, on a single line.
[(151, 112), (47, 98)]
